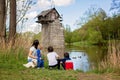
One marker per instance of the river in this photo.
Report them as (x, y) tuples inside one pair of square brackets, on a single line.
[(94, 54)]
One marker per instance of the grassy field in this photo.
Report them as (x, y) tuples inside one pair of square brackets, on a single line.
[(11, 68), (45, 74)]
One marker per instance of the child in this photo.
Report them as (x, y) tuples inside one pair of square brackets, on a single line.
[(66, 57), (52, 58)]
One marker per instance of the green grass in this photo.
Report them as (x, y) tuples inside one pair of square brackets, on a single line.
[(82, 43), (11, 68), (36, 74)]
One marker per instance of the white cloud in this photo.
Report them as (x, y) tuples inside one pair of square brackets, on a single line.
[(36, 28), (45, 4), (31, 14), (63, 2)]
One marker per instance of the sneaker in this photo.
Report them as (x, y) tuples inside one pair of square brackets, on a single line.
[(43, 68), (38, 68), (25, 65)]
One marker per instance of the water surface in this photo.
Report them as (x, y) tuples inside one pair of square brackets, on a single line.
[(84, 57)]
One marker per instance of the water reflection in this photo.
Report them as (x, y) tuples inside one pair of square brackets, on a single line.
[(80, 61), (95, 54)]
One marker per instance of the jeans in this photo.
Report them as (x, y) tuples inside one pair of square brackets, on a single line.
[(29, 60), (40, 63), (57, 65)]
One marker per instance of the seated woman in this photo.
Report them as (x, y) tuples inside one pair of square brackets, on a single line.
[(32, 57), (52, 58)]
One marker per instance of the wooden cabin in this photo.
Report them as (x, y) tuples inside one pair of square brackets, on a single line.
[(48, 16)]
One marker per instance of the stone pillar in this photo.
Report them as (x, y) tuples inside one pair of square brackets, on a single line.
[(53, 35)]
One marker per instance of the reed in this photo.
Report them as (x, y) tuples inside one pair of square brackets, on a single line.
[(111, 63), (15, 56), (23, 41)]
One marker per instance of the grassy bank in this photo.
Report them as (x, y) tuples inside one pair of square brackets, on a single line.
[(111, 63), (11, 68), (81, 43), (87, 43)]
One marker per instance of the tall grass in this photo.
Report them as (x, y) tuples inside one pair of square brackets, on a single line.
[(12, 58), (20, 41), (112, 61), (15, 56)]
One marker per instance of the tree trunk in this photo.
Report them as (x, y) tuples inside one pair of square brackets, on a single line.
[(12, 28), (2, 22)]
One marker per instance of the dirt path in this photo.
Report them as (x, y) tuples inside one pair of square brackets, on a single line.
[(84, 76)]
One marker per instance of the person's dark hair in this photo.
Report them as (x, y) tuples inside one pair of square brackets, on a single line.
[(66, 55), (35, 43), (50, 49)]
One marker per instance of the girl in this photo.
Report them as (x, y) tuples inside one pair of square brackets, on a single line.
[(32, 52), (32, 56)]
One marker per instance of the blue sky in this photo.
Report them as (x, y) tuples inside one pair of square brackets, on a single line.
[(76, 10), (71, 10)]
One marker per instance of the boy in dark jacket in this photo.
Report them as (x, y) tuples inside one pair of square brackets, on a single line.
[(66, 57)]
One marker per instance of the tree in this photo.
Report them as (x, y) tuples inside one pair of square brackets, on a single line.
[(23, 7), (110, 28), (8, 10), (91, 28), (2, 21), (115, 5), (68, 35), (12, 28)]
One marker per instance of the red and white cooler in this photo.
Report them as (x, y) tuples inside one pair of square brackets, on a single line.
[(68, 65)]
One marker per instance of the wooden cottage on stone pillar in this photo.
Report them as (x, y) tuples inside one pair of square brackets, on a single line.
[(52, 29)]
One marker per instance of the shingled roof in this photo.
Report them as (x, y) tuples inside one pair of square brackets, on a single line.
[(43, 13)]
